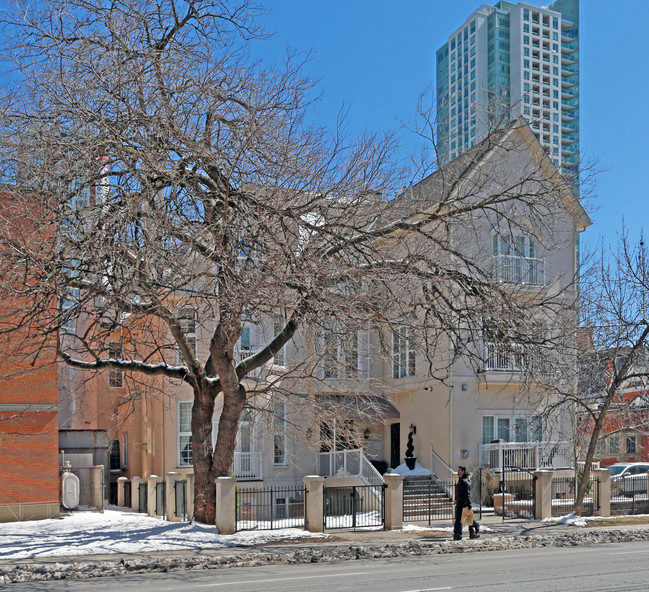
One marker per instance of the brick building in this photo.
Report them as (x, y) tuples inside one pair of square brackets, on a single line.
[(29, 473)]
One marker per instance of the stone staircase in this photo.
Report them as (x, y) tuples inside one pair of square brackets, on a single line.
[(425, 499)]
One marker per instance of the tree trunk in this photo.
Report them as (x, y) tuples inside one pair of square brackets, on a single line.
[(210, 464), (204, 488)]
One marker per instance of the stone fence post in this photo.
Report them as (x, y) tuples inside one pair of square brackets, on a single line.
[(543, 494), (135, 493), (393, 501), (602, 498), (314, 520), (151, 494), (170, 496), (121, 482), (96, 487), (226, 504)]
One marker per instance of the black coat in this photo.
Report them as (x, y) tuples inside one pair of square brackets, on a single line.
[(463, 492)]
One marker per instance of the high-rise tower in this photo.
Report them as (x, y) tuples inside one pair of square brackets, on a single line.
[(509, 60)]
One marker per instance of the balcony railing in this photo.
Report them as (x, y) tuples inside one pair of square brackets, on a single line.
[(519, 270), (347, 463), (526, 455), (501, 358), (247, 466)]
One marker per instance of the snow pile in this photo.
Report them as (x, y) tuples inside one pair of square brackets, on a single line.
[(418, 471), (571, 519), (119, 531)]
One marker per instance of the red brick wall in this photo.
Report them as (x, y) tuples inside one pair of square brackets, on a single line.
[(29, 458), (29, 471)]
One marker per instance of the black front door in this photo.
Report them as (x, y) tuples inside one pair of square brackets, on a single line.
[(395, 445)]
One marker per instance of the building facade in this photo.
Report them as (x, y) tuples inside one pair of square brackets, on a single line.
[(377, 397), (506, 61)]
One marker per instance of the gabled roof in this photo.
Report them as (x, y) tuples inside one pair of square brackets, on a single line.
[(440, 185)]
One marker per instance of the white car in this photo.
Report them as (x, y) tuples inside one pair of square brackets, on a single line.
[(629, 479)]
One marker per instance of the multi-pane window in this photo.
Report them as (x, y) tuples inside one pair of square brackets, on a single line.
[(613, 445), (631, 445), (404, 357), (279, 433), (280, 356), (115, 375), (516, 260), (185, 433), (344, 354), (187, 323), (511, 429), (251, 338)]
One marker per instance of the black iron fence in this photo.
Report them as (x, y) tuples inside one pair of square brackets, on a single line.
[(180, 498), (161, 499), (517, 493), (127, 494), (270, 507), (564, 496), (143, 500), (354, 506), (629, 495), (427, 500)]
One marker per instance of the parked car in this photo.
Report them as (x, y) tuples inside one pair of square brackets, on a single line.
[(629, 479)]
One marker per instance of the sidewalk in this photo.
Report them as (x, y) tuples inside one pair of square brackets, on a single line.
[(491, 527), (340, 545)]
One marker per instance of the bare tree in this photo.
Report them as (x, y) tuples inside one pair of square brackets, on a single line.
[(177, 190), (613, 362)]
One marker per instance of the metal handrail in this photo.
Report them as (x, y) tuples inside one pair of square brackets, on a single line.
[(441, 471), (348, 463)]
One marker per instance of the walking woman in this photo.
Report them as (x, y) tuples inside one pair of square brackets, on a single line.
[(463, 500)]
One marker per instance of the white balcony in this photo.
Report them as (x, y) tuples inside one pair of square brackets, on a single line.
[(347, 463), (247, 466), (526, 455), (519, 270), (501, 358)]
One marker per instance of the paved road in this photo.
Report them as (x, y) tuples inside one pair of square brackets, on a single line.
[(619, 567)]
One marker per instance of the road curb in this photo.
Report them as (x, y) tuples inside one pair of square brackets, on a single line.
[(84, 568)]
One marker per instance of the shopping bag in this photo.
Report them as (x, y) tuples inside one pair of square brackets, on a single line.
[(467, 516)]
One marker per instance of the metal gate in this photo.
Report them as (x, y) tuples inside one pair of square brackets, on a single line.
[(143, 505), (180, 498), (127, 494), (354, 506), (270, 507), (161, 499), (517, 493), (427, 500)]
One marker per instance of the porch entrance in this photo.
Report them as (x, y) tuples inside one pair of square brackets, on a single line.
[(517, 497), (354, 506)]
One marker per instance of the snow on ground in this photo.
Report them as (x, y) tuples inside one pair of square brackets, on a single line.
[(121, 531), (418, 471), (446, 529), (573, 520)]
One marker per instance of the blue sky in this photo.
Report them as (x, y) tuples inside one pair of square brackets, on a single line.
[(377, 56)]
